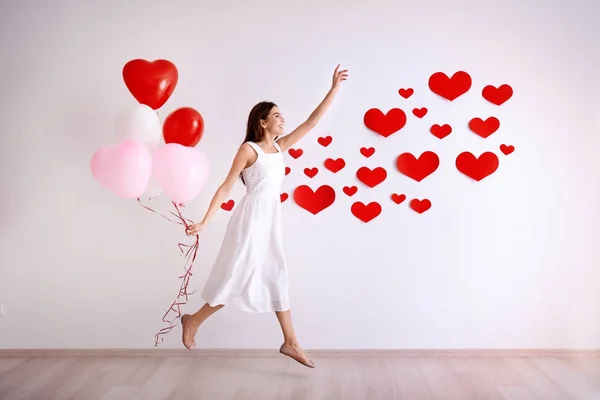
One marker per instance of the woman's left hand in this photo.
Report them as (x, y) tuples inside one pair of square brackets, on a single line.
[(338, 77)]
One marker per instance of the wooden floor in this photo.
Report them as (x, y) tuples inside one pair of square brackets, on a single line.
[(268, 376)]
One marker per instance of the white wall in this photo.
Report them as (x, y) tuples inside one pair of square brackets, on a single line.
[(510, 262)]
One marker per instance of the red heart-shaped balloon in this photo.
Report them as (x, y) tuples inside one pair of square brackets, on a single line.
[(150, 82), (184, 126)]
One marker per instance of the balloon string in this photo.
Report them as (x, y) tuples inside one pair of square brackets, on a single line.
[(183, 294)]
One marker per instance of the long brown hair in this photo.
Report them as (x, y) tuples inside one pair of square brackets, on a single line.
[(255, 132)]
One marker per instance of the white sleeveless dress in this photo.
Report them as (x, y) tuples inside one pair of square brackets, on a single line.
[(250, 272)]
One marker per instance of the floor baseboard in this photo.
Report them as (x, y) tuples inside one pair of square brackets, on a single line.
[(314, 352)]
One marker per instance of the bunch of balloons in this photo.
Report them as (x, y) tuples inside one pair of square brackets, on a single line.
[(151, 158)]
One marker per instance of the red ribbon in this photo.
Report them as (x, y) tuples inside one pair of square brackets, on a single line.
[(190, 258)]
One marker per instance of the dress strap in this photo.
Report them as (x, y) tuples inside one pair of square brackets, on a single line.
[(255, 147), (277, 146)]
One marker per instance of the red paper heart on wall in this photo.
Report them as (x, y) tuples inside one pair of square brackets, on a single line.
[(350, 190), (314, 202), (367, 212), (507, 149), (385, 124), (398, 198), (496, 95), (287, 170), (477, 167), (295, 153), (150, 82), (450, 88), (371, 178), (325, 141), (283, 197), (406, 93), (418, 169), (441, 132), (367, 152), (228, 205), (311, 172), (484, 128), (420, 206), (419, 112), (335, 165)]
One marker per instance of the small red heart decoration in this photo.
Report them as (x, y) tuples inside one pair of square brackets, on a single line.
[(420, 206), (418, 169), (419, 112), (287, 170), (441, 132), (398, 198), (283, 197), (325, 141), (367, 212), (484, 128), (228, 205), (335, 165), (350, 190), (496, 95), (477, 168), (311, 172), (314, 202), (367, 152), (385, 124), (507, 149), (450, 88), (371, 178), (406, 93), (150, 82), (295, 153)]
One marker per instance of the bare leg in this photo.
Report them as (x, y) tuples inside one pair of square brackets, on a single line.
[(291, 345), (191, 323)]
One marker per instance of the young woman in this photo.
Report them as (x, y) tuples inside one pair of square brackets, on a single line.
[(250, 272)]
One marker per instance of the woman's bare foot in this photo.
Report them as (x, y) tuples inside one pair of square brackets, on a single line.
[(189, 330)]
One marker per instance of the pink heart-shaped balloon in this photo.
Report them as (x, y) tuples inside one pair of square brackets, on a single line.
[(123, 169), (181, 171)]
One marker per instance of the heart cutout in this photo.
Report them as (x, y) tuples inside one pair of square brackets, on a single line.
[(441, 132), (335, 165), (325, 141), (366, 212), (419, 112), (418, 168), (367, 152), (385, 124), (484, 128), (406, 93), (398, 198), (283, 197), (350, 190), (314, 201), (370, 177), (477, 168), (311, 172), (450, 88), (497, 95), (150, 82), (287, 170), (507, 149), (295, 152), (420, 206), (228, 205)]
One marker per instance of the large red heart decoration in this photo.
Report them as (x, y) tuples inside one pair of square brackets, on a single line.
[(385, 124), (335, 165), (228, 205), (150, 82), (477, 168), (184, 126), (420, 206), (450, 88), (441, 132), (418, 169), (364, 212), (484, 128), (371, 178), (314, 202), (496, 95)]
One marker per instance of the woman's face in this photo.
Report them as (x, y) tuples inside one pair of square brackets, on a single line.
[(274, 122)]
